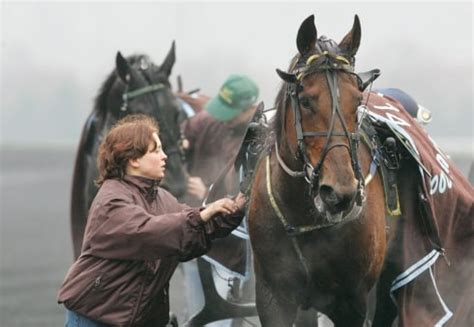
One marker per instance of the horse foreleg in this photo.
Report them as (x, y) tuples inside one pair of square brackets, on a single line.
[(271, 312), (385, 311), (349, 311)]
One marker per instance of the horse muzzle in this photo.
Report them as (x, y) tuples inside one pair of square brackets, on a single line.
[(336, 206), (336, 201)]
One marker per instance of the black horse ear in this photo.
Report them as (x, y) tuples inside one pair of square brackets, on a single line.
[(122, 67), (289, 78), (307, 36), (168, 63), (350, 43)]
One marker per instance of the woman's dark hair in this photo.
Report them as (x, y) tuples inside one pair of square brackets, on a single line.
[(128, 139)]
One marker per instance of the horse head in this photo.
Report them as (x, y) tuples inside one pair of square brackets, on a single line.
[(319, 118), (143, 87)]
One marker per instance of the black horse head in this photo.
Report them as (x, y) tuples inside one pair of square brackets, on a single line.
[(140, 86)]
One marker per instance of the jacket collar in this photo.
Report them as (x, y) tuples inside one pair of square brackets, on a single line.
[(147, 186)]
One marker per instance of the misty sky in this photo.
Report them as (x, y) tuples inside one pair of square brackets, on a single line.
[(55, 56)]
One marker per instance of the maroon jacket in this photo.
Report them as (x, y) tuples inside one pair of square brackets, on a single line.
[(136, 235)]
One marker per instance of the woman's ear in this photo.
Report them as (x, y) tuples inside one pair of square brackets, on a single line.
[(133, 163)]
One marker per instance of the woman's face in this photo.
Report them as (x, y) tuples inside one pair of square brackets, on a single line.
[(152, 164)]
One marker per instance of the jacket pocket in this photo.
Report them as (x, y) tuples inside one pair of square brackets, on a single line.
[(94, 285)]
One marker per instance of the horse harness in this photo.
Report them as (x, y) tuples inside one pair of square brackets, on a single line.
[(330, 64)]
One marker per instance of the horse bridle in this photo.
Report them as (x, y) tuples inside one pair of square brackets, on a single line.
[(330, 64), (127, 95)]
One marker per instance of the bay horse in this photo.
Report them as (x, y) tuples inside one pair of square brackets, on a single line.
[(317, 230), (136, 85)]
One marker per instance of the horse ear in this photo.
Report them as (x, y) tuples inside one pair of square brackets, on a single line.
[(289, 78), (122, 67), (350, 43), (168, 63), (307, 36)]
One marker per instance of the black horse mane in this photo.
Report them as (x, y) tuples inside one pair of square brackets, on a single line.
[(280, 105), (100, 103)]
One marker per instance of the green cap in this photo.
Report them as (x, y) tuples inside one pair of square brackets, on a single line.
[(237, 94)]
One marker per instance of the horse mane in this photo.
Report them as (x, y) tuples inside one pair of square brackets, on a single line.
[(281, 102), (100, 102), (280, 105)]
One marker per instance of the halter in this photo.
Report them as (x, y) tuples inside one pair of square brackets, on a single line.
[(141, 91), (330, 64), (128, 95)]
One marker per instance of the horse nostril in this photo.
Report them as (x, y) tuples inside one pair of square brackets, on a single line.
[(336, 201), (328, 195)]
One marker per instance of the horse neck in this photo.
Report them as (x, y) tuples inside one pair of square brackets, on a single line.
[(290, 159), (110, 119), (288, 189)]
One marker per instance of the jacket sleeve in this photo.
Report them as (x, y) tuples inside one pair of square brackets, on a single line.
[(217, 227), (221, 226), (125, 230)]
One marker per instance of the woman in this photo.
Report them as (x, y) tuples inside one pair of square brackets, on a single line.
[(136, 234)]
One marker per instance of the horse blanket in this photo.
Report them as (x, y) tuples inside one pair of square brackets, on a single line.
[(429, 291)]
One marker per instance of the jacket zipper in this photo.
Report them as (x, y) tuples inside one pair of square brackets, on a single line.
[(137, 305), (91, 287)]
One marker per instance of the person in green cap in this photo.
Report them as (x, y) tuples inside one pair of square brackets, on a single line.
[(215, 133)]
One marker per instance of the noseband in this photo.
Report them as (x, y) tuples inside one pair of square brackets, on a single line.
[(330, 64)]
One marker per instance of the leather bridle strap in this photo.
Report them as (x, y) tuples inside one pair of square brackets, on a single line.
[(287, 169), (291, 230), (141, 91), (353, 138)]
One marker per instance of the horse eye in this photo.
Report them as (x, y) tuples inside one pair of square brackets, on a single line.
[(306, 103)]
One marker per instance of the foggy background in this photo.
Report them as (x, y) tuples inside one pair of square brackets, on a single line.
[(55, 56)]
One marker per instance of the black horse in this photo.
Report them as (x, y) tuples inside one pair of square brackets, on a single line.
[(136, 85)]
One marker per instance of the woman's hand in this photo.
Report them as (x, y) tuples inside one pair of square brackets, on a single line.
[(241, 201), (223, 206)]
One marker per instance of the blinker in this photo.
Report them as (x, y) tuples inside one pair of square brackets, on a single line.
[(364, 79)]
